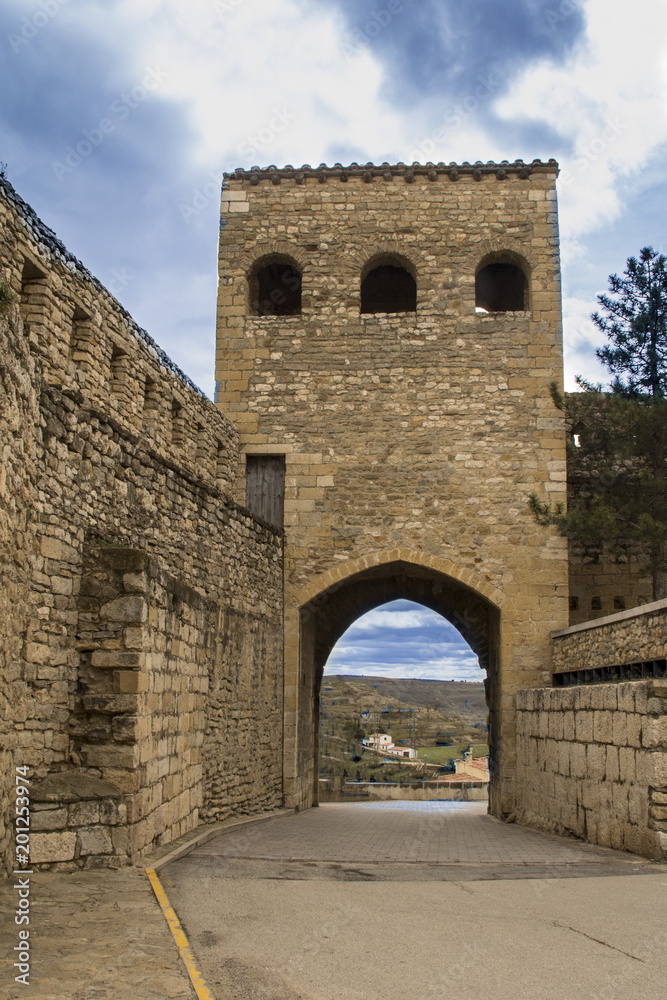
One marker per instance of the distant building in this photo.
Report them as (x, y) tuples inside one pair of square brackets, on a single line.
[(408, 752), (379, 741)]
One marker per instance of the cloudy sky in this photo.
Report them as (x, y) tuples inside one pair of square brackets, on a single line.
[(403, 639), (117, 118)]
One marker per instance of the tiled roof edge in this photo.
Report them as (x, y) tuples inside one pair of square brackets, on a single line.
[(56, 249), (387, 171)]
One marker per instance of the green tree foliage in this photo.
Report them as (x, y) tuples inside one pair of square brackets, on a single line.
[(353, 730), (619, 469), (635, 321)]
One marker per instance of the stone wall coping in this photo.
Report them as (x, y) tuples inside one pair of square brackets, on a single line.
[(387, 171), (47, 241), (620, 616), (73, 786)]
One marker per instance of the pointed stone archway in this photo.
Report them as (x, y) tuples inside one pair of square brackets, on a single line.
[(334, 601)]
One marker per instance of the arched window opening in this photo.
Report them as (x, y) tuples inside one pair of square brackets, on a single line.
[(275, 290), (501, 286), (388, 288)]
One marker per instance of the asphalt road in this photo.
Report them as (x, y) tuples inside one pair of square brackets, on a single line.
[(275, 913)]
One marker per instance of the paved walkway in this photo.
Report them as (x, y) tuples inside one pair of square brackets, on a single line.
[(95, 935), (391, 899), (422, 901), (434, 833)]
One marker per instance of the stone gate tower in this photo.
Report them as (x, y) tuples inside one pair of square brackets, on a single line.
[(386, 340)]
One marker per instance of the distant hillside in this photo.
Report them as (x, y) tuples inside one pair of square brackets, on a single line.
[(451, 695)]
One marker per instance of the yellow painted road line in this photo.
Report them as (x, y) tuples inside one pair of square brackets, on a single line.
[(196, 978)]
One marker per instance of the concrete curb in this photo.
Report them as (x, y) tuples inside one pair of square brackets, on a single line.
[(158, 860)]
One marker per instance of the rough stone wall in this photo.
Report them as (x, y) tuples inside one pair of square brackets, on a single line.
[(129, 452), (592, 763), (18, 423), (139, 713), (626, 637), (410, 437)]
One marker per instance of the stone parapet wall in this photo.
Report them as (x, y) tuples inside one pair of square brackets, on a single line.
[(626, 637), (592, 763), (91, 348), (19, 418), (87, 470)]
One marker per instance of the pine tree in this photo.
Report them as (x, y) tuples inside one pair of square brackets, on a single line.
[(619, 470), (636, 324)]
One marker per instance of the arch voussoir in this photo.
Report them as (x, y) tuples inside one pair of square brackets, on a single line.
[(416, 557)]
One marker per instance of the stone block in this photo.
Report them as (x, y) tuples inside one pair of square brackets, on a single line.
[(94, 840), (626, 762), (130, 682), (633, 730), (112, 704), (578, 760), (556, 725), (654, 731), (626, 697), (83, 813), (134, 583), (612, 770), (120, 839), (569, 730), (596, 761), (48, 819), (112, 813), (47, 847), (51, 548), (117, 756), (602, 727), (127, 728), (619, 729), (130, 609), (584, 726), (119, 658)]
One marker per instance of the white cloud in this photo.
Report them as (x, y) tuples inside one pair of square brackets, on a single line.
[(608, 100), (396, 620), (261, 82), (581, 338)]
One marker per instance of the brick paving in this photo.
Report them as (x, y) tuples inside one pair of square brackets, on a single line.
[(440, 833)]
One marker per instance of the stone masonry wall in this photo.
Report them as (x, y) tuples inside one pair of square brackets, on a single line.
[(633, 636), (127, 452), (411, 437), (592, 763), (18, 427)]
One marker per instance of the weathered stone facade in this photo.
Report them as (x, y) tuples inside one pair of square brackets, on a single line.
[(592, 763), (162, 646), (136, 595), (625, 637), (412, 439)]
